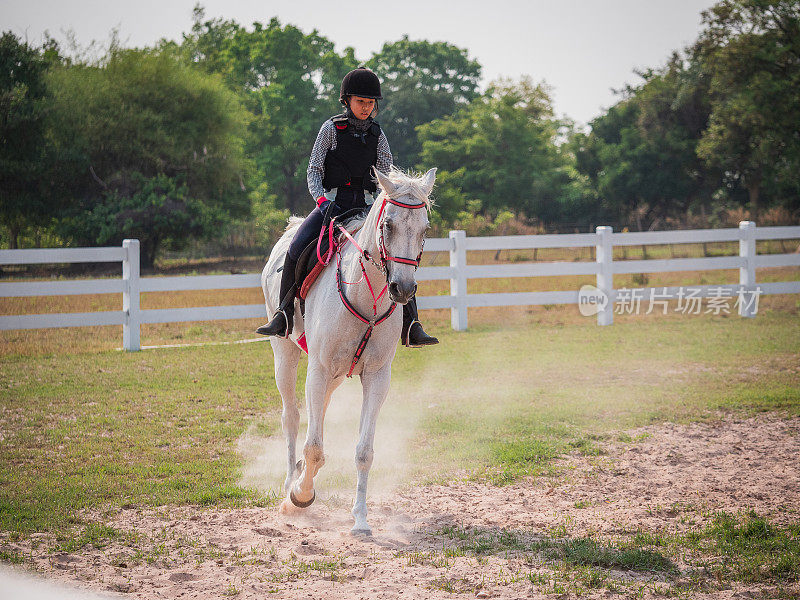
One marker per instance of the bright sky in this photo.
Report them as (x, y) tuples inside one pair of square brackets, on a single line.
[(582, 48)]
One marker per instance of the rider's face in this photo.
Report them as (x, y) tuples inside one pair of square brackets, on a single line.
[(362, 107)]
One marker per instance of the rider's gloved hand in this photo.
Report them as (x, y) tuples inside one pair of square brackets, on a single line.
[(323, 204)]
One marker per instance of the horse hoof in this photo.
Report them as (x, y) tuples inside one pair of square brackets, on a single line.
[(300, 504), (359, 532), (288, 509)]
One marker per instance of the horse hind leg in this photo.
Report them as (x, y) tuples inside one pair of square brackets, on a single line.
[(287, 358)]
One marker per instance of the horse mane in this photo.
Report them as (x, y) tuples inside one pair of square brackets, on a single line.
[(408, 183)]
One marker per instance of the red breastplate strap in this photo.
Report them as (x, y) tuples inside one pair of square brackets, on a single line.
[(385, 256), (340, 282)]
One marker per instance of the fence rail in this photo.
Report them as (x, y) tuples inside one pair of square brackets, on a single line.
[(604, 267)]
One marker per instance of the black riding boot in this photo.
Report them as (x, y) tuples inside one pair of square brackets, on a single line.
[(281, 323), (413, 335)]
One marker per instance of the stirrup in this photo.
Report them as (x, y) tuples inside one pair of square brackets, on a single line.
[(407, 337), (286, 320), (407, 341), (262, 329)]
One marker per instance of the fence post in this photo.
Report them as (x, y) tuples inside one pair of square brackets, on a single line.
[(747, 273), (130, 296), (604, 256), (458, 284)]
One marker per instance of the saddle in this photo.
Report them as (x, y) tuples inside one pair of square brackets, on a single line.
[(308, 265)]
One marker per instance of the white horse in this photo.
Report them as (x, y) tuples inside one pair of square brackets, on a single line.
[(392, 234)]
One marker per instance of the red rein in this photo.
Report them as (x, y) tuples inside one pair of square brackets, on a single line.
[(385, 257)]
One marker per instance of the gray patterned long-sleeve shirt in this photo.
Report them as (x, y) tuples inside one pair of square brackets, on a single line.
[(326, 140)]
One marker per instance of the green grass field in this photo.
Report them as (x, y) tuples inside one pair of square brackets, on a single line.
[(160, 426)]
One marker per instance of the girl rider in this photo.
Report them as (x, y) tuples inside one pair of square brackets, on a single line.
[(347, 147)]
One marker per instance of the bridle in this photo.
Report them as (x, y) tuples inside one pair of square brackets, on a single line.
[(385, 258)]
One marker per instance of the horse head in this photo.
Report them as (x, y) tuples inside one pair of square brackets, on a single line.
[(401, 228)]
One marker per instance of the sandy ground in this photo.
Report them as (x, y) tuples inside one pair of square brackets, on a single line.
[(663, 480)]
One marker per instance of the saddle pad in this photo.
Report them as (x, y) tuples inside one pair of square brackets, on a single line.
[(301, 341), (310, 279)]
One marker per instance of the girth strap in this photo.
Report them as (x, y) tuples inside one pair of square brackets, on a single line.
[(360, 350)]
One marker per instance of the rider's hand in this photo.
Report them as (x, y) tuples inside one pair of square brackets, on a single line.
[(323, 204)]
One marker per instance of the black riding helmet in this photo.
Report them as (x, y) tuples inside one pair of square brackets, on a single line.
[(360, 82)]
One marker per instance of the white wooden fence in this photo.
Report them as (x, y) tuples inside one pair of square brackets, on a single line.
[(131, 317)]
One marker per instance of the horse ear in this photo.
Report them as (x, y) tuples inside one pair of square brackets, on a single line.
[(427, 181), (384, 182)]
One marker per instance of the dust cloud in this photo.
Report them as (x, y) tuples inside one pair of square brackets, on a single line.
[(265, 457), (16, 583)]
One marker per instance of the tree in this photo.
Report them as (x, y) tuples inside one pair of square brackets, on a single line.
[(421, 81), (288, 80), (498, 153), (674, 112), (24, 156), (155, 210), (152, 138), (641, 156), (614, 156), (750, 50)]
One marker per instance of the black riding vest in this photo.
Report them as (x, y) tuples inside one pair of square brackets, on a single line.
[(353, 158)]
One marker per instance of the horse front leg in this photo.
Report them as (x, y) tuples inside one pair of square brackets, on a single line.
[(319, 387), (376, 388)]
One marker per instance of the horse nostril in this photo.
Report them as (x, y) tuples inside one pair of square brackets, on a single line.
[(394, 289)]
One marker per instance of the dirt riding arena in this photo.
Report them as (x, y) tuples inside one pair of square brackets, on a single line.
[(468, 539)]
